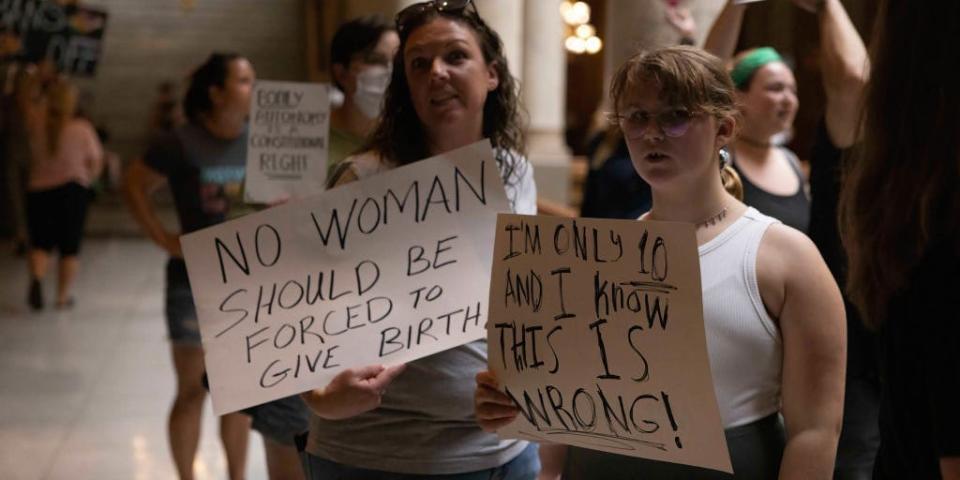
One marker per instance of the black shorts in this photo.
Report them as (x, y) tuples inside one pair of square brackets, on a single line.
[(55, 217)]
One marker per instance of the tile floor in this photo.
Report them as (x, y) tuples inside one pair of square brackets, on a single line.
[(84, 393)]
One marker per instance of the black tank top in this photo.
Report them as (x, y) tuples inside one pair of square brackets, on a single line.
[(793, 210)]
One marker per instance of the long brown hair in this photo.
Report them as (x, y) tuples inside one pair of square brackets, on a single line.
[(688, 77), (399, 135), (61, 108), (901, 195)]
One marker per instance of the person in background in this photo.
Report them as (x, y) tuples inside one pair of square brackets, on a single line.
[(20, 89), (166, 113), (450, 87), (773, 182), (613, 189), (361, 55), (65, 157), (844, 68), (772, 312), (900, 221), (203, 162)]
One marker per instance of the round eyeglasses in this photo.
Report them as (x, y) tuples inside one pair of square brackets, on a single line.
[(673, 123)]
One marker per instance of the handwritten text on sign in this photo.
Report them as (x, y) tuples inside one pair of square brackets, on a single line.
[(287, 150), (596, 332), (381, 271)]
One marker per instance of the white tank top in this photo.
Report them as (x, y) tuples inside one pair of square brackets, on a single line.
[(744, 343)]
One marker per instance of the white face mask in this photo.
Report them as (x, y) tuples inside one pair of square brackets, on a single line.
[(371, 87)]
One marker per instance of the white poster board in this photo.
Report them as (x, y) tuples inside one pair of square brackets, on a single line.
[(288, 141), (596, 331), (381, 271)]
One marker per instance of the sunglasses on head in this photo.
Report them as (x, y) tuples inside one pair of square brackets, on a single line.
[(407, 15)]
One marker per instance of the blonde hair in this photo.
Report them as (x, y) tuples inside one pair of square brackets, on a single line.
[(688, 77), (731, 181)]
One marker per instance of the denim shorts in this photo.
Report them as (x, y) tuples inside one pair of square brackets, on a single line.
[(182, 325), (281, 420), (525, 466)]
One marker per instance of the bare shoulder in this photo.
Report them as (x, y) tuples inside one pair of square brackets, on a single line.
[(787, 261), (789, 244)]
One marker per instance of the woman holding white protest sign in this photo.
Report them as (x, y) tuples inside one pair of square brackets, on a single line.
[(772, 312), (450, 87), (203, 162)]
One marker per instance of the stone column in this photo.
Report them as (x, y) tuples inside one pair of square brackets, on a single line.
[(544, 95), (506, 18)]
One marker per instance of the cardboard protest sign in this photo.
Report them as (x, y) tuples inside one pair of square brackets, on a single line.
[(69, 35), (381, 271), (596, 332), (287, 145)]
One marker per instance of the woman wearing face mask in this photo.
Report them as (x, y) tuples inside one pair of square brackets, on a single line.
[(767, 93), (450, 87), (772, 312), (361, 55), (203, 162)]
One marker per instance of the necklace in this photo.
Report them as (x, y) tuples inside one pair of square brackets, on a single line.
[(706, 222), (713, 219), (754, 143)]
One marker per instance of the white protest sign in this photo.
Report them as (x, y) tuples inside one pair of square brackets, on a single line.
[(381, 271), (596, 331), (288, 141)]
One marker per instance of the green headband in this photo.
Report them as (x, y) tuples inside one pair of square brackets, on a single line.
[(751, 62)]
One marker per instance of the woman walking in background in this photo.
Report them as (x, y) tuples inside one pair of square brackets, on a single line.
[(66, 156), (203, 161)]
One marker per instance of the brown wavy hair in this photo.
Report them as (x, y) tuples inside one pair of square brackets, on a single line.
[(688, 78), (399, 136), (901, 198)]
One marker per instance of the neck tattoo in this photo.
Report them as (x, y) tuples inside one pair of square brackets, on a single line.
[(707, 222), (713, 219)]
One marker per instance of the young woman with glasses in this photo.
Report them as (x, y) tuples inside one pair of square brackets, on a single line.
[(450, 87), (772, 311)]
